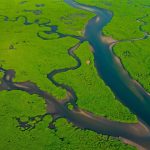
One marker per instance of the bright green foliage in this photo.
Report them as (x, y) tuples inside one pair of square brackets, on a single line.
[(1, 75), (146, 27), (69, 20)]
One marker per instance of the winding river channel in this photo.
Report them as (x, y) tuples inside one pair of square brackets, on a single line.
[(130, 92)]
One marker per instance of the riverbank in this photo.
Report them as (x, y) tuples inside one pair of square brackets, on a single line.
[(107, 39)]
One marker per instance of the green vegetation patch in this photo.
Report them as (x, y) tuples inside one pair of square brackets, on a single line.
[(1, 75), (69, 20)]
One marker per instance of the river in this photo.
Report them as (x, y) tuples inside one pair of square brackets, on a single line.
[(109, 66)]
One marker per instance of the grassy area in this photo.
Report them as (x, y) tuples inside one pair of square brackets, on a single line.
[(33, 58), (1, 75), (69, 19)]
